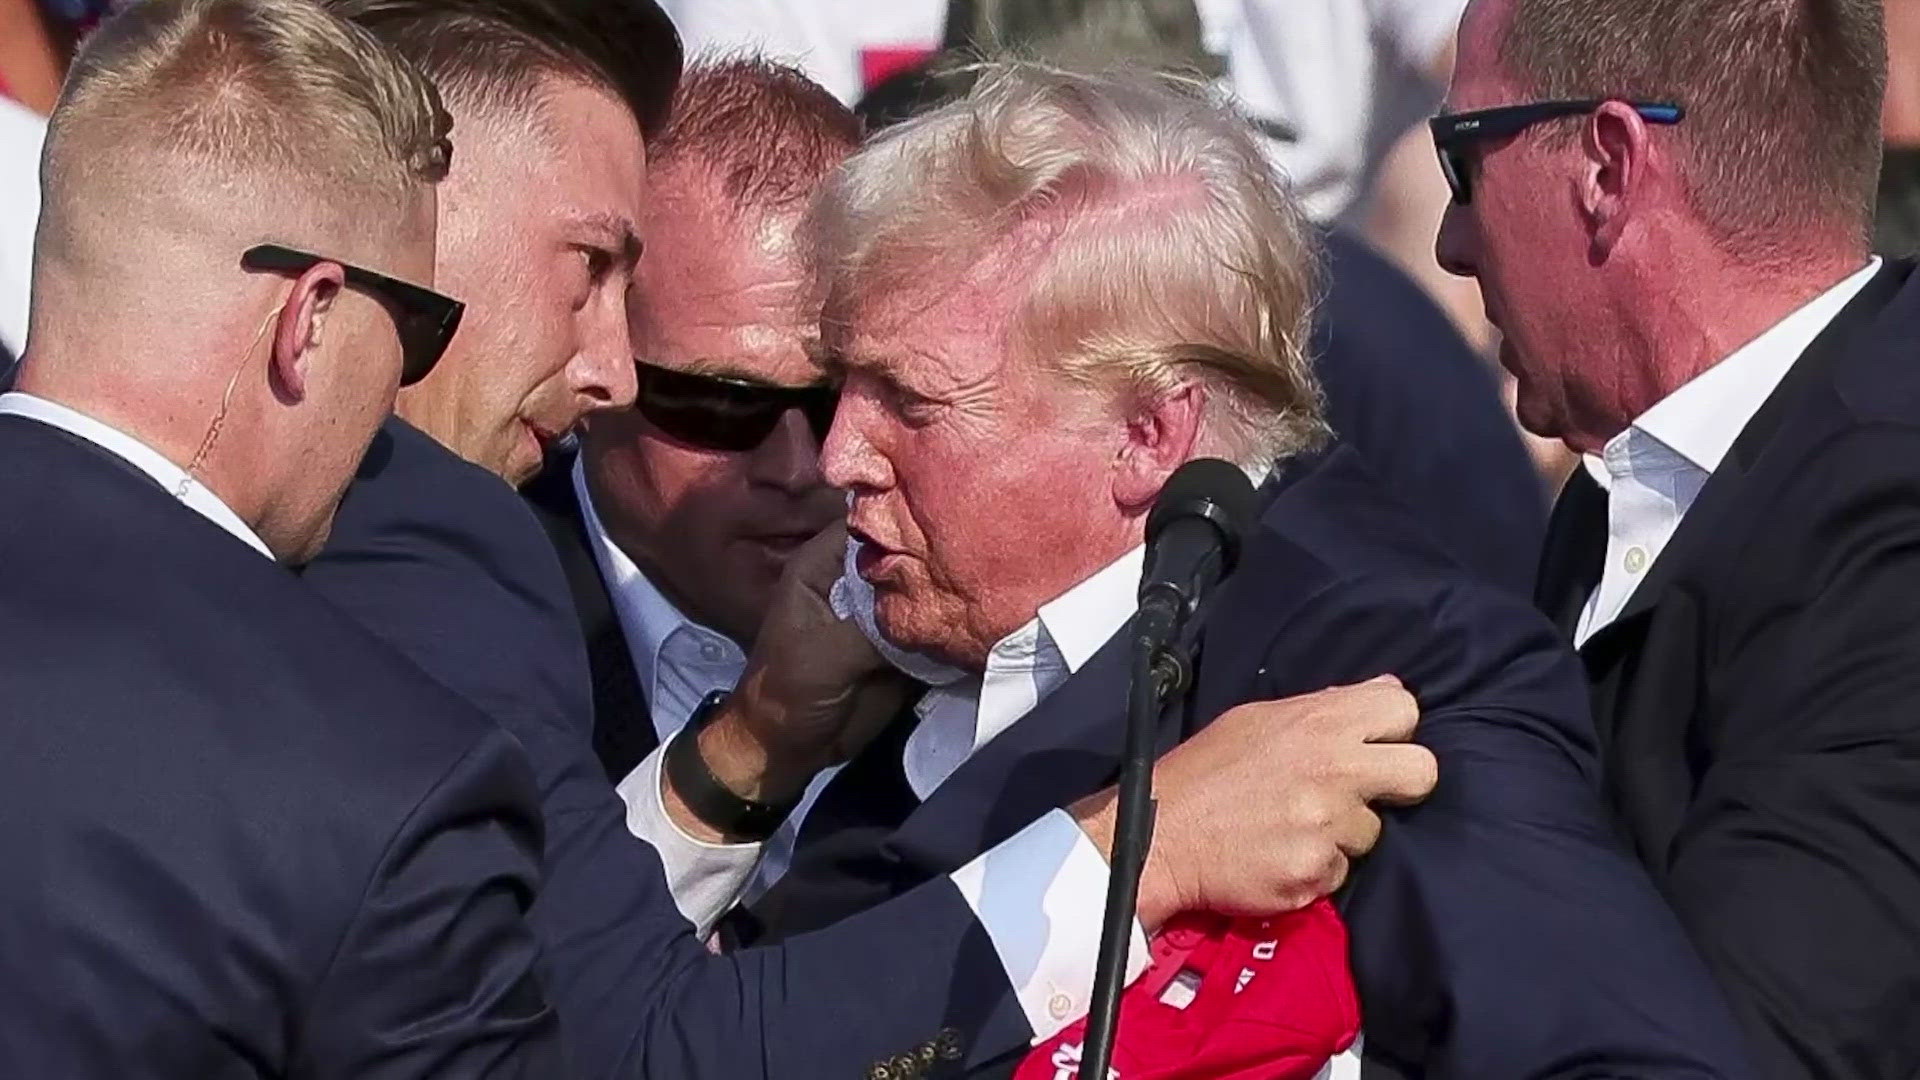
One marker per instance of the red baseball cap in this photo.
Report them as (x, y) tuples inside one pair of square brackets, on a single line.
[(1227, 999)]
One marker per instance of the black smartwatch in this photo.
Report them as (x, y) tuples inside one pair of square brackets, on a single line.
[(710, 800)]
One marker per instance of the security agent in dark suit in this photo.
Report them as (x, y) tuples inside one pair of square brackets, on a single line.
[(441, 559), (1735, 561), (244, 839)]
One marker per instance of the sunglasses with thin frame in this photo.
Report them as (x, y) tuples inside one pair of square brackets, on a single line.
[(426, 320), (716, 412), (1453, 132)]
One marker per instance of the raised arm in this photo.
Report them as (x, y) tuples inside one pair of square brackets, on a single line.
[(1502, 928)]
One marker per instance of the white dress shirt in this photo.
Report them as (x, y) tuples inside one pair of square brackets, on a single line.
[(138, 454), (957, 719), (1039, 894), (1653, 471), (678, 661)]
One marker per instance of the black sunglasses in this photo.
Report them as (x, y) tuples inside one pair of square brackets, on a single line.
[(1452, 132), (714, 412), (425, 319)]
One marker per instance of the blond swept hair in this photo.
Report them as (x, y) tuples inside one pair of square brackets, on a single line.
[(277, 89), (1158, 247)]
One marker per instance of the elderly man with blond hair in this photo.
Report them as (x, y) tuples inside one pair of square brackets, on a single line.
[(1044, 299), (242, 837)]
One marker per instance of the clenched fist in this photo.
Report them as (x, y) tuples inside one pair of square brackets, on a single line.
[(814, 692)]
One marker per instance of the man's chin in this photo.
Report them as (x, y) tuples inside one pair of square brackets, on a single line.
[(911, 629)]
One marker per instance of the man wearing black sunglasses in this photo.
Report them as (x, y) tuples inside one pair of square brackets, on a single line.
[(1667, 206), (679, 515)]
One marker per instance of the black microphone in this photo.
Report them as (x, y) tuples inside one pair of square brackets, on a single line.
[(1193, 540)]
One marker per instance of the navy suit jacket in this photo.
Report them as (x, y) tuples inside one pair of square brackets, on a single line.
[(448, 564), (1500, 929), (1758, 700), (241, 837), (1405, 390)]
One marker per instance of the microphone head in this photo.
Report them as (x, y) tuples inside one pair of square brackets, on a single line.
[(1209, 488)]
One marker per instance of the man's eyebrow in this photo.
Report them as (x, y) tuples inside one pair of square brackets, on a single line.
[(725, 369), (615, 232), (830, 359), (734, 371)]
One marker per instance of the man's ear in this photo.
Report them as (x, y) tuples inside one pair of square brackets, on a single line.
[(1618, 147), (1160, 438), (302, 321)]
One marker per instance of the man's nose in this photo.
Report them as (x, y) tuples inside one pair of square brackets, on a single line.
[(602, 373), (789, 457), (848, 459), (1453, 245)]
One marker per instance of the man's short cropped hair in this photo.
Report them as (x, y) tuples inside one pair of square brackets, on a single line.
[(212, 89), (1782, 129), (767, 132), (1159, 248), (496, 54)]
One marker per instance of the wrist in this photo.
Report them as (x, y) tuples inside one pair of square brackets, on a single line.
[(745, 763), (1159, 899), (729, 802), (745, 759), (689, 823)]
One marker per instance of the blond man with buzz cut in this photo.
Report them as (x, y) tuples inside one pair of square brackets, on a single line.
[(242, 838)]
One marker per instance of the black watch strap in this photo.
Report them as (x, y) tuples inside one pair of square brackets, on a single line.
[(710, 800)]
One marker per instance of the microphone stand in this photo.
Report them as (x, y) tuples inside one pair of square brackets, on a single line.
[(1159, 674)]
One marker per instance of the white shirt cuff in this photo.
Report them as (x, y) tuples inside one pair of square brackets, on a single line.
[(705, 879), (1040, 896)]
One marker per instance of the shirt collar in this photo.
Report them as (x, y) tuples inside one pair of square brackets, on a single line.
[(1054, 645), (1701, 420), (177, 481), (1087, 615), (648, 617)]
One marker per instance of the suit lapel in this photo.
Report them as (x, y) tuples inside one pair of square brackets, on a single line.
[(1575, 551), (1069, 745), (623, 733)]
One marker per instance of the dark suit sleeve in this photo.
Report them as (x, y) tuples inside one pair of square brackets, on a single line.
[(1798, 865), (1501, 929), (435, 975), (640, 997)]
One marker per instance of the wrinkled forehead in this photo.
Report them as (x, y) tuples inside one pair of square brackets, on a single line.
[(943, 324)]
